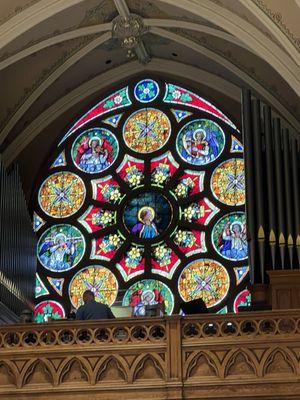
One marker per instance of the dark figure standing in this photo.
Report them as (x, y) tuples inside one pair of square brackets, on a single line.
[(92, 309)]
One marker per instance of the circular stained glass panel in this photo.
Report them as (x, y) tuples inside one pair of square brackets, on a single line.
[(95, 150), (147, 215), (62, 194), (229, 236), (206, 279), (60, 248), (200, 142), (146, 90), (148, 292), (100, 280), (243, 299), (147, 130), (48, 309), (228, 182)]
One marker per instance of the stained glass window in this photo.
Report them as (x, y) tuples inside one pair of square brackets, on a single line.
[(143, 203)]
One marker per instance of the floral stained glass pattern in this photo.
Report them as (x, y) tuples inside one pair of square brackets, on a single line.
[(205, 279), (101, 281), (147, 130), (146, 90), (243, 299), (61, 248), (62, 194), (228, 182), (95, 150), (48, 309), (114, 101), (132, 263), (148, 292), (149, 183)]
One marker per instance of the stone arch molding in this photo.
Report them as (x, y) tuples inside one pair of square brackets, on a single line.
[(126, 71), (287, 67)]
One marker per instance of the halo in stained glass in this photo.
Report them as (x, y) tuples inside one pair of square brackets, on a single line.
[(243, 299), (62, 194), (228, 182), (61, 248), (48, 309), (200, 142), (146, 90), (147, 215), (229, 237), (100, 280), (206, 279), (148, 292), (95, 150), (147, 130)]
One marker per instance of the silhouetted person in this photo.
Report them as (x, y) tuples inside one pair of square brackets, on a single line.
[(197, 306), (92, 309)]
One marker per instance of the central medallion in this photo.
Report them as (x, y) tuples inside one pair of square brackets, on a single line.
[(147, 215)]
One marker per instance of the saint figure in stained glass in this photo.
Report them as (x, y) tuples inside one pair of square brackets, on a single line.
[(200, 142), (229, 237), (61, 247), (145, 228), (95, 150)]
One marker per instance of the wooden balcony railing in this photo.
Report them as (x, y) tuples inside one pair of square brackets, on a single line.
[(250, 355)]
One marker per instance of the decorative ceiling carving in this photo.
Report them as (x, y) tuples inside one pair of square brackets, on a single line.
[(93, 37)]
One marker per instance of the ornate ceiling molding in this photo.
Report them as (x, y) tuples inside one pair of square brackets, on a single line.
[(278, 28), (103, 80), (53, 40), (251, 36), (174, 23), (230, 66), (45, 82), (94, 29)]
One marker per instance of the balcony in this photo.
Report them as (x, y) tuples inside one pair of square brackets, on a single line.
[(201, 357)]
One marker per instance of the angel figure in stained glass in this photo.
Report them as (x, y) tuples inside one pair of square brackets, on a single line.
[(146, 228), (58, 253), (94, 154), (201, 146), (233, 241)]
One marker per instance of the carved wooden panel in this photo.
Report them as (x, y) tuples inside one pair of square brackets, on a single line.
[(246, 355)]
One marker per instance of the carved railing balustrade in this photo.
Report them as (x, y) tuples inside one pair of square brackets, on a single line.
[(211, 357)]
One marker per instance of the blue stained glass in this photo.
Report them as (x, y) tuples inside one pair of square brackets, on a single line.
[(57, 284), (180, 114), (60, 161), (113, 120), (146, 90), (38, 222), (240, 273), (236, 145)]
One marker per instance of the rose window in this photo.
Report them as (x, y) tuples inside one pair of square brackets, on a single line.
[(143, 203)]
